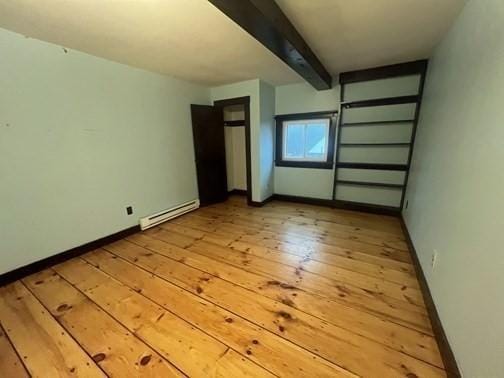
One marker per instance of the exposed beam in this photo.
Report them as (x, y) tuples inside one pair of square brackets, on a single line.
[(265, 21)]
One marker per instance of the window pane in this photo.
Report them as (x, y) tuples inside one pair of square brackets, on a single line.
[(294, 142), (316, 141)]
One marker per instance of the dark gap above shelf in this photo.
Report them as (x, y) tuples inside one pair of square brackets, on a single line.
[(240, 122), (375, 144), (385, 167), (384, 72), (364, 183), (380, 102), (370, 123)]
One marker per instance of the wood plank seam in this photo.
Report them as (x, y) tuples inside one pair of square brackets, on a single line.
[(68, 333), (300, 219), (135, 332), (237, 315), (29, 324), (174, 260), (307, 257), (233, 224), (246, 236), (317, 293), (9, 341), (311, 293), (238, 222), (121, 323), (368, 239), (167, 309), (376, 291), (50, 277)]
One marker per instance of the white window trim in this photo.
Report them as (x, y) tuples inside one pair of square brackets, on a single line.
[(285, 123)]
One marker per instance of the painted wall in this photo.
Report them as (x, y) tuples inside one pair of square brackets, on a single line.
[(303, 98), (81, 138), (267, 139), (456, 186)]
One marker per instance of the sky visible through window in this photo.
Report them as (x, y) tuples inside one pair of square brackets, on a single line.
[(306, 140)]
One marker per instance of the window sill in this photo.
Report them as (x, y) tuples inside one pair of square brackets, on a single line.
[(304, 164)]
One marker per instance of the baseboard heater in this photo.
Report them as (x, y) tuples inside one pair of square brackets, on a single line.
[(168, 214)]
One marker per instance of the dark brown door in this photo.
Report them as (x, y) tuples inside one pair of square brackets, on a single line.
[(210, 151)]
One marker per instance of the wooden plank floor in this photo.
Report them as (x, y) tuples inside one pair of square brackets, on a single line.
[(228, 290)]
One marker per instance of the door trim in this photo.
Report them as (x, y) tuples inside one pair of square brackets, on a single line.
[(245, 101)]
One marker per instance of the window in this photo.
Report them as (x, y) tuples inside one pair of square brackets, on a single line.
[(305, 140)]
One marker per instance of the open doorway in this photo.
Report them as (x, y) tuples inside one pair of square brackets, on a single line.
[(222, 147), (236, 115), (234, 137)]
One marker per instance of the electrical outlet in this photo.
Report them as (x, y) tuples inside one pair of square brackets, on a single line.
[(129, 210), (434, 259)]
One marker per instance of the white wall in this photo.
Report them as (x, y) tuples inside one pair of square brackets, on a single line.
[(267, 139), (303, 98), (456, 187), (304, 182), (81, 138)]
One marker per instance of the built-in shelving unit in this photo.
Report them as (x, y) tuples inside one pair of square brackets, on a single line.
[(377, 133)]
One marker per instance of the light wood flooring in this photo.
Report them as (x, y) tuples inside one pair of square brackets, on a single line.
[(228, 291)]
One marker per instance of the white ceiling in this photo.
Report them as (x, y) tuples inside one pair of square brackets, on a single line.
[(193, 40), (348, 35)]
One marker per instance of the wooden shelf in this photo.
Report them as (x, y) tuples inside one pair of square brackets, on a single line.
[(371, 123), (380, 102), (364, 183), (374, 144), (385, 167)]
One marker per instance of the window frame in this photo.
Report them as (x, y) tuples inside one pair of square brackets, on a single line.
[(329, 116)]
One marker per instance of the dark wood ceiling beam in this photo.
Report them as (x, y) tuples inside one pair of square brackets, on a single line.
[(265, 21)]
